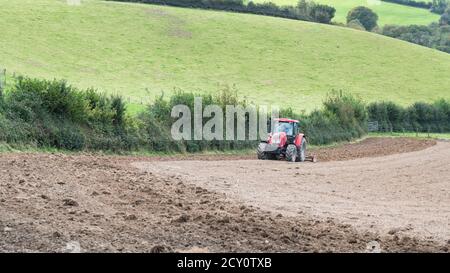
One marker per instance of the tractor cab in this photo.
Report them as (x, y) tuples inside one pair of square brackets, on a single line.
[(285, 127), (288, 126)]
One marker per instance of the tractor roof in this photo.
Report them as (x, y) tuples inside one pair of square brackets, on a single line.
[(286, 120)]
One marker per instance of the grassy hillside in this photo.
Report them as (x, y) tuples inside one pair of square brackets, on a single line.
[(389, 13), (141, 50)]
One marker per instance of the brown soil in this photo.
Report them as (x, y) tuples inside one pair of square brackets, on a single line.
[(55, 203), (369, 147), (372, 147)]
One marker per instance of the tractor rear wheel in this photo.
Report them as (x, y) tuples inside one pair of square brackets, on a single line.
[(302, 151), (291, 153)]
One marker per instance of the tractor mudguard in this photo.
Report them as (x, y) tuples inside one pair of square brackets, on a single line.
[(298, 140)]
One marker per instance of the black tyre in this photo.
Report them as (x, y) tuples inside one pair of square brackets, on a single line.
[(291, 153), (302, 151), (260, 151)]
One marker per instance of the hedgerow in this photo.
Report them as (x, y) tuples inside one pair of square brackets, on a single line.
[(306, 11), (44, 113)]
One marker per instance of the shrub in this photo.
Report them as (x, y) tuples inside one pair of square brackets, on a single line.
[(69, 138), (388, 114), (321, 13), (15, 131), (52, 113), (350, 110), (119, 110), (343, 118), (56, 97), (366, 17)]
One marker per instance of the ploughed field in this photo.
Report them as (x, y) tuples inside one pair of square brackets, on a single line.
[(388, 192)]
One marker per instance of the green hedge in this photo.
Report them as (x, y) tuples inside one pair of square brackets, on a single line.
[(419, 117), (45, 113), (412, 3), (343, 118), (306, 11), (53, 114), (157, 121)]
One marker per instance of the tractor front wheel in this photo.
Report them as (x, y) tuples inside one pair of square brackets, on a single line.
[(291, 153), (261, 151)]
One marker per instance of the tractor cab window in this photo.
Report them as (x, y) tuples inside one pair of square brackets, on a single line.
[(285, 127), (295, 129)]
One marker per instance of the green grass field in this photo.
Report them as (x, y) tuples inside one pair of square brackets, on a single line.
[(139, 51), (388, 13)]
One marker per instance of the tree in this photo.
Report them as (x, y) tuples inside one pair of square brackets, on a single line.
[(322, 13), (316, 12), (364, 15), (445, 18), (439, 6)]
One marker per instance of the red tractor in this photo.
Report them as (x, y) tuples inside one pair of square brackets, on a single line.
[(285, 141)]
